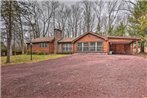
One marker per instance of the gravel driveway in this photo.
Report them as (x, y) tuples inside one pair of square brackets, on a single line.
[(77, 76)]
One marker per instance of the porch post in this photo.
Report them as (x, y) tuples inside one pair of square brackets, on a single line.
[(108, 47), (132, 48), (72, 47), (62, 48), (136, 47), (82, 46), (95, 46)]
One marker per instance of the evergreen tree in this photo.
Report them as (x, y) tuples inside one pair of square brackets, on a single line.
[(119, 30), (138, 22)]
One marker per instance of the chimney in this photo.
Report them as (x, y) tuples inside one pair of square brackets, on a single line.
[(58, 36)]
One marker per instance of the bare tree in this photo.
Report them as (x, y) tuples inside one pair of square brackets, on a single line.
[(76, 13), (112, 11), (98, 8), (32, 17), (63, 14), (87, 7), (8, 15), (45, 18)]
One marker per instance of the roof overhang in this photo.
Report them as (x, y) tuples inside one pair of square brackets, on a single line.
[(121, 42), (40, 40), (66, 40), (127, 38)]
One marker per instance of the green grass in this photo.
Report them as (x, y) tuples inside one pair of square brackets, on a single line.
[(26, 58)]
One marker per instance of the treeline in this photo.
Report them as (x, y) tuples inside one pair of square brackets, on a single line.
[(21, 21)]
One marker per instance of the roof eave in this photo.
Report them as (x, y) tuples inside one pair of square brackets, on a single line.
[(131, 38), (88, 33)]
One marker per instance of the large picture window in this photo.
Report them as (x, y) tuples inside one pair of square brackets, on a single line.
[(90, 46)]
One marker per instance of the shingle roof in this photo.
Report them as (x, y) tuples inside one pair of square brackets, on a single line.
[(123, 37), (43, 39), (67, 40), (49, 39)]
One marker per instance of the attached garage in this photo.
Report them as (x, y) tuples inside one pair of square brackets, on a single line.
[(122, 45)]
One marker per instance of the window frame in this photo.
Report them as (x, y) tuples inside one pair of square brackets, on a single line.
[(99, 47), (43, 45), (96, 47), (67, 47)]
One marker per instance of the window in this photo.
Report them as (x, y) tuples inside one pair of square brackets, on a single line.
[(99, 46), (67, 47), (80, 47), (89, 46), (43, 45), (85, 46), (92, 46)]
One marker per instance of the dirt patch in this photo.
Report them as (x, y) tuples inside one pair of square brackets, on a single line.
[(78, 76)]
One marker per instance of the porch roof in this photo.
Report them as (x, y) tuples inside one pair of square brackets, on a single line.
[(121, 42), (123, 37)]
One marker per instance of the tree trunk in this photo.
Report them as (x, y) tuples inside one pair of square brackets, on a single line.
[(14, 45), (142, 47), (22, 36), (9, 35)]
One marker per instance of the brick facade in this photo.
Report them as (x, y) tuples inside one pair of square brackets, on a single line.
[(49, 49), (58, 44)]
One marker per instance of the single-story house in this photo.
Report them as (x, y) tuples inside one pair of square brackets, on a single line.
[(89, 42)]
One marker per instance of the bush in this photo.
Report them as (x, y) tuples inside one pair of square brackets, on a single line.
[(29, 52), (37, 52), (41, 53)]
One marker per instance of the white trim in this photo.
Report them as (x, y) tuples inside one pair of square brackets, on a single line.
[(95, 46), (82, 46)]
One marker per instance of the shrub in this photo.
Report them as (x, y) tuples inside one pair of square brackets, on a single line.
[(41, 53), (37, 52)]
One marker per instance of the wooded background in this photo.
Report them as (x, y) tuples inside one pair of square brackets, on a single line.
[(22, 21)]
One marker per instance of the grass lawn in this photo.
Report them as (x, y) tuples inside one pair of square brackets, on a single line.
[(26, 58)]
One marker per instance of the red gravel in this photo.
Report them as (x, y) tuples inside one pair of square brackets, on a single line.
[(77, 76)]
